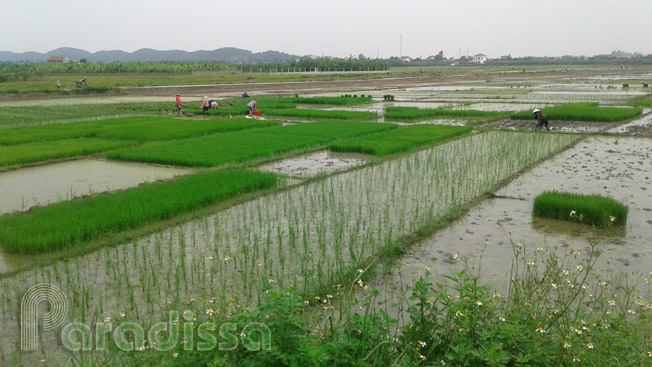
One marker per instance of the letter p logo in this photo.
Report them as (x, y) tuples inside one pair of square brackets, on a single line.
[(29, 313)]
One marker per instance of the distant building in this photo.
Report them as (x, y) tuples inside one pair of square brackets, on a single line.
[(406, 58), (479, 58), (60, 59), (621, 55), (431, 58)]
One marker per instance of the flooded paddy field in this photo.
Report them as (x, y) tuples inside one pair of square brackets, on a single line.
[(319, 163), (311, 233), (25, 188), (618, 167), (304, 236)]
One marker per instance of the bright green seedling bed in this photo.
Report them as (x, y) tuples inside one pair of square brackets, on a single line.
[(11, 155), (141, 128), (343, 101), (322, 114), (414, 113), (583, 112), (243, 146), (399, 140), (78, 221), (587, 209)]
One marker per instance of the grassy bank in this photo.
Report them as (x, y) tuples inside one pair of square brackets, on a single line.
[(72, 223), (398, 140)]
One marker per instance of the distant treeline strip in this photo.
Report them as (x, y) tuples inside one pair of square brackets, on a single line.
[(10, 72)]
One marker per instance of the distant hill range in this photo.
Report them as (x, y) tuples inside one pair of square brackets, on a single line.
[(225, 54)]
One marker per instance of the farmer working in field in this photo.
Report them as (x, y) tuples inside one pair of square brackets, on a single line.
[(178, 110), (207, 104), (541, 118), (252, 106)]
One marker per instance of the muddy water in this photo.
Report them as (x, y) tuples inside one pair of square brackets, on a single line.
[(310, 165), (25, 188), (617, 167), (301, 236), (639, 126)]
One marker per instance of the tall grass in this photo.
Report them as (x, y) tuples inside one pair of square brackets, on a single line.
[(242, 146), (323, 114), (414, 113), (588, 209), (398, 140), (43, 151), (583, 112), (72, 223), (142, 128)]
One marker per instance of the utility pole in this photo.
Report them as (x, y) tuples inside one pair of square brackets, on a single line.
[(401, 53)]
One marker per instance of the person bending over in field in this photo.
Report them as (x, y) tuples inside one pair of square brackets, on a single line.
[(252, 106), (205, 106), (542, 120)]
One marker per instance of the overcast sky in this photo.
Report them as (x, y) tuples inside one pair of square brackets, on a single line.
[(332, 28)]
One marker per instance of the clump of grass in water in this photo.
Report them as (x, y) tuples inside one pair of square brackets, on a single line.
[(588, 209)]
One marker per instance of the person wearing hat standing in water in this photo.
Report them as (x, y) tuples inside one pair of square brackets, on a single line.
[(178, 111), (542, 120)]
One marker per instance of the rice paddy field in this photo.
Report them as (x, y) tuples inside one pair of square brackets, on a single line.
[(355, 228)]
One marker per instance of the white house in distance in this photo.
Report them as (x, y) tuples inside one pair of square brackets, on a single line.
[(406, 58), (479, 58), (60, 59)]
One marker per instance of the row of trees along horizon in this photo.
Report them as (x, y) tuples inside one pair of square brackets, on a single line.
[(30, 71)]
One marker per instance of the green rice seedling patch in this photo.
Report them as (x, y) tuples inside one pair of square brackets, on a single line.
[(588, 209), (583, 112), (226, 111), (398, 140), (342, 101), (166, 128), (643, 103), (242, 146), (43, 151), (414, 113), (142, 128), (21, 116), (74, 222), (322, 114), (333, 129)]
